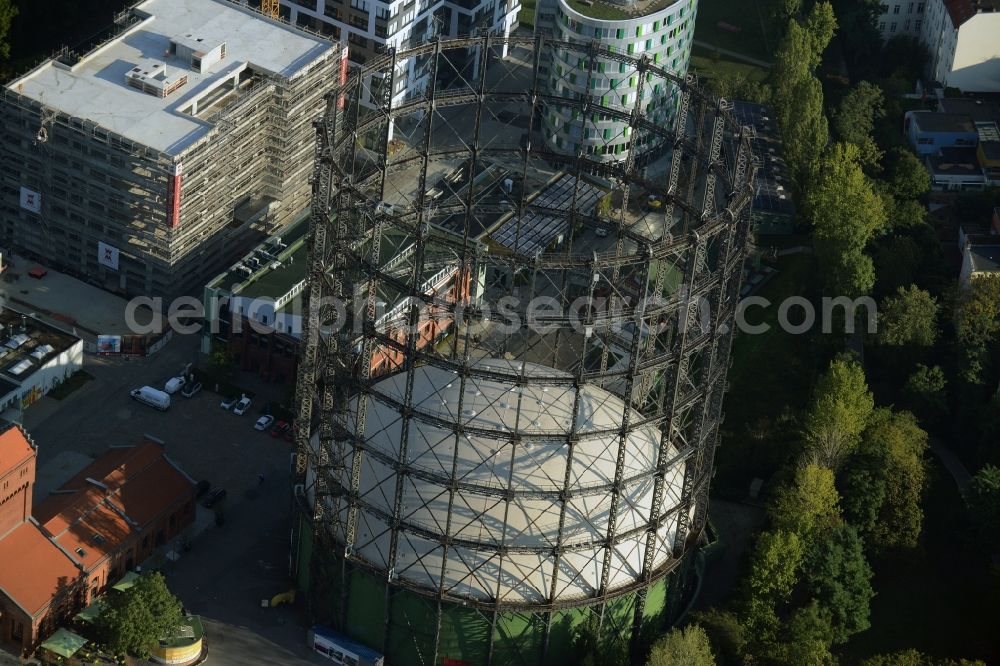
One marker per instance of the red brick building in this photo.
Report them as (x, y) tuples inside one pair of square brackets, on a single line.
[(81, 539)]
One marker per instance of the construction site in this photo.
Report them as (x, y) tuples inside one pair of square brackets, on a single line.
[(147, 164), (513, 410)]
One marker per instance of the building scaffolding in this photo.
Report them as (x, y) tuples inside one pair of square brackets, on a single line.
[(543, 448), (172, 213)]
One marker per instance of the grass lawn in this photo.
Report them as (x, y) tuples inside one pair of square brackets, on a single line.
[(770, 379), (939, 598), (707, 67), (758, 37), (75, 381)]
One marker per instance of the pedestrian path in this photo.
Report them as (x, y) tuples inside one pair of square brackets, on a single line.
[(735, 54)]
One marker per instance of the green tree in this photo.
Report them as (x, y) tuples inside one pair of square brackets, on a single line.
[(724, 633), (809, 504), (855, 117), (8, 10), (978, 325), (925, 390), (898, 261), (821, 25), (682, 647), (914, 658), (839, 413), (908, 319), (774, 571), (982, 496), (787, 10), (860, 39), (806, 133), (885, 479), (135, 620), (806, 638), (845, 212), (905, 175), (837, 575)]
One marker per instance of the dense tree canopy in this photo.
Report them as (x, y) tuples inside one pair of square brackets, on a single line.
[(905, 175), (809, 505), (798, 94), (8, 10), (688, 646), (854, 119), (845, 212), (914, 658), (908, 319), (978, 325), (725, 634), (925, 389), (774, 571), (983, 499), (837, 575), (135, 620), (839, 413), (884, 480)]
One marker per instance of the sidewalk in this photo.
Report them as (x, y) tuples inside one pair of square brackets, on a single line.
[(734, 54)]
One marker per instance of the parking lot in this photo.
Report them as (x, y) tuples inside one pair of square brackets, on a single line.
[(232, 567)]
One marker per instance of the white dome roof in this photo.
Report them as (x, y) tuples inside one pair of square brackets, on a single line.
[(512, 438)]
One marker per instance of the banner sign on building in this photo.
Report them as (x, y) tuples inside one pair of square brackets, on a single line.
[(31, 200), (109, 344), (174, 195), (107, 255)]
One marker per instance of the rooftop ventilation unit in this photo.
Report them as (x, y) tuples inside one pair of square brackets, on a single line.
[(152, 77), (198, 52)]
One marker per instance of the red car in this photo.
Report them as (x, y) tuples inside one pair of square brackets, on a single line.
[(280, 428), (37, 272)]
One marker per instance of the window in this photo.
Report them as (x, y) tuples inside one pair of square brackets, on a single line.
[(918, 24), (892, 28), (881, 26), (920, 8), (363, 5), (895, 9)]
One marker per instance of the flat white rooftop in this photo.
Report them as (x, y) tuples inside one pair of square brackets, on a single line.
[(95, 88)]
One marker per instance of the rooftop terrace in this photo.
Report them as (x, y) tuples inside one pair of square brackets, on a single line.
[(608, 10), (95, 88)]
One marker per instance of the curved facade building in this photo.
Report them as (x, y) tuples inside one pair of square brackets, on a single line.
[(514, 403), (662, 31)]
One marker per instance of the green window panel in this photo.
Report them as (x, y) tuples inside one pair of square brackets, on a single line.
[(631, 49), (607, 134), (620, 33)]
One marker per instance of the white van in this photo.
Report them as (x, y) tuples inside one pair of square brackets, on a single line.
[(152, 397), (174, 384)]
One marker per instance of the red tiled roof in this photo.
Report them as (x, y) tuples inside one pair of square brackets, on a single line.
[(14, 448), (960, 11), (133, 486), (34, 569)]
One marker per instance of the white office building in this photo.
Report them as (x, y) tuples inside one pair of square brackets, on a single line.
[(660, 29)]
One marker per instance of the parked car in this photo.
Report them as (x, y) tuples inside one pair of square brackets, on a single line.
[(152, 397), (263, 423), (229, 402), (242, 406), (190, 389), (203, 487), (601, 232), (174, 384), (213, 498), (280, 428)]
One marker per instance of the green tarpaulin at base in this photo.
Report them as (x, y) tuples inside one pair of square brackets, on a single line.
[(64, 643), (127, 581)]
